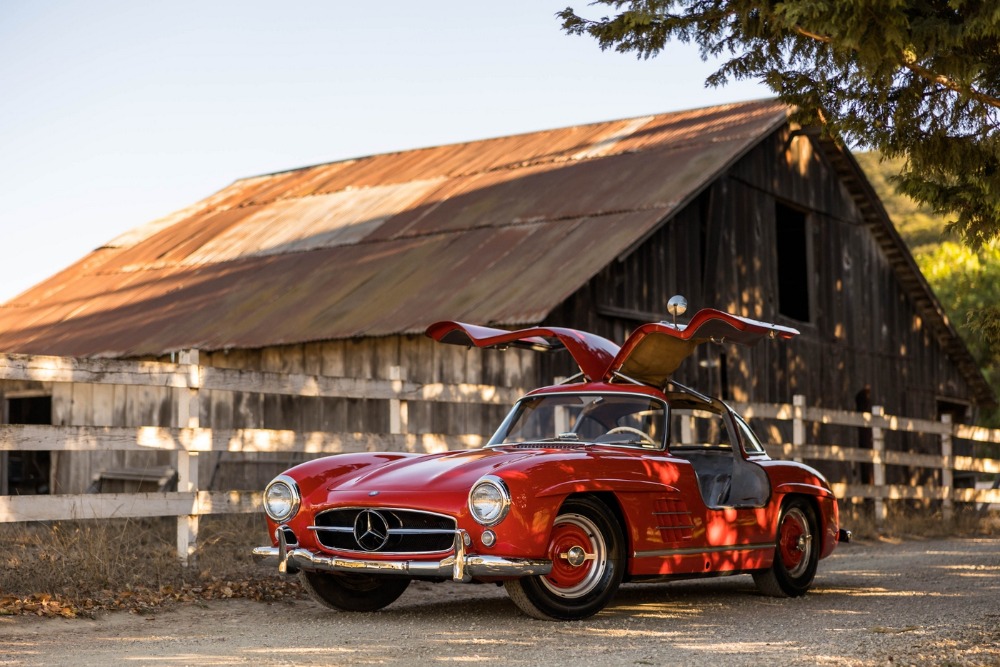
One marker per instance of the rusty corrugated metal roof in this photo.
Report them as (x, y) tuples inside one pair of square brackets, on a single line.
[(389, 243)]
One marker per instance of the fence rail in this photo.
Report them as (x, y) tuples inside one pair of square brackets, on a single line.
[(188, 439)]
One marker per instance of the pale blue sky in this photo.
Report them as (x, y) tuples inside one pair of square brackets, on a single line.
[(114, 113)]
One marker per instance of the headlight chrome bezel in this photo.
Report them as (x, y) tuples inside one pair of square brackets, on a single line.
[(497, 484), (294, 499)]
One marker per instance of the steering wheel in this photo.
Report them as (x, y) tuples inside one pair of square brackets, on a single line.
[(643, 436)]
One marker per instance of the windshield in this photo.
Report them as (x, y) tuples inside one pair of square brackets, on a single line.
[(618, 419)]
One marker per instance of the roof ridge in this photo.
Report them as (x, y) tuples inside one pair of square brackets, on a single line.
[(584, 156), (678, 112)]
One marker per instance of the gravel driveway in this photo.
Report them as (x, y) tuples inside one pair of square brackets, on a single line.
[(878, 603)]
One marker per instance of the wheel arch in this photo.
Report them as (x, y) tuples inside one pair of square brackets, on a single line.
[(589, 554), (813, 500), (824, 505), (610, 500)]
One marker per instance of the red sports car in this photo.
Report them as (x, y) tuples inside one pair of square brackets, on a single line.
[(618, 474)]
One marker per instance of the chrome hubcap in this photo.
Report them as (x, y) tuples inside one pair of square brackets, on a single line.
[(576, 556)]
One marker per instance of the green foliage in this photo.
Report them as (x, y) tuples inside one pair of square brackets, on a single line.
[(920, 228), (918, 80), (967, 282)]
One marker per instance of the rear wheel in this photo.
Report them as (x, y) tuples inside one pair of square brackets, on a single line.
[(796, 552), (588, 562), (353, 592)]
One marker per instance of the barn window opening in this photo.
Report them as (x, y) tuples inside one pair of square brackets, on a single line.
[(793, 262), (26, 473)]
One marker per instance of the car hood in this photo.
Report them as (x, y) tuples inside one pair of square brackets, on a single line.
[(435, 473)]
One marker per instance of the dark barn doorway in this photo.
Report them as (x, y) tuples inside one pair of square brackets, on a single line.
[(26, 473)]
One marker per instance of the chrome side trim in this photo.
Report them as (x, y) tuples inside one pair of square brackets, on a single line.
[(458, 567), (693, 551)]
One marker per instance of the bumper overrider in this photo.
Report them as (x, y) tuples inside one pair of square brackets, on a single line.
[(458, 566)]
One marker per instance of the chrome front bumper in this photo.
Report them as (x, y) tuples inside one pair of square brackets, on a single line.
[(458, 566)]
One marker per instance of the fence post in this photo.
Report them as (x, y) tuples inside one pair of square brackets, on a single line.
[(188, 408), (398, 408), (947, 470), (878, 465), (798, 426)]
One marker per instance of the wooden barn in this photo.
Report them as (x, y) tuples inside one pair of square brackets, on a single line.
[(337, 269)]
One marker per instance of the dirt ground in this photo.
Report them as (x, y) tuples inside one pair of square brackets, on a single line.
[(876, 603)]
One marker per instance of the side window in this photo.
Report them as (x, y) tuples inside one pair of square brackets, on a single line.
[(751, 444), (698, 429)]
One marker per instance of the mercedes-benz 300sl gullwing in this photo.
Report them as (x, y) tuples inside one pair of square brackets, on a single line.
[(618, 474)]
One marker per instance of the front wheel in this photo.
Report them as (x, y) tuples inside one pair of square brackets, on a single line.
[(796, 553), (588, 563), (353, 592)]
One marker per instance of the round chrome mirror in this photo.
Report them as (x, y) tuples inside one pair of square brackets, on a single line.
[(677, 305)]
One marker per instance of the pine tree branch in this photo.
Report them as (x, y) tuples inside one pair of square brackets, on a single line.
[(910, 62)]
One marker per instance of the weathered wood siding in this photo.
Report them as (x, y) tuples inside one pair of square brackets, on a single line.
[(418, 359)]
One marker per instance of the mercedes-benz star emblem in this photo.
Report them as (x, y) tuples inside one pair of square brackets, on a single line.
[(371, 530)]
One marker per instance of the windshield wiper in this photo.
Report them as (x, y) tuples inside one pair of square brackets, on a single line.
[(562, 437)]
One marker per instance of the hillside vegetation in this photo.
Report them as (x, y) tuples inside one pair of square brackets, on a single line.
[(964, 280)]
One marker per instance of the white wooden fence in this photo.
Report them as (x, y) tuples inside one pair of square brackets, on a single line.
[(188, 439)]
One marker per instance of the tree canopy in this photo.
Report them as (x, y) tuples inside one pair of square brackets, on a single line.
[(913, 79), (916, 80)]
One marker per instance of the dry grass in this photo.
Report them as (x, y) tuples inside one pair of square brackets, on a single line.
[(129, 563), (916, 520)]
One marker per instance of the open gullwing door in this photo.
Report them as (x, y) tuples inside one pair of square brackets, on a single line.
[(592, 353), (654, 351), (650, 355)]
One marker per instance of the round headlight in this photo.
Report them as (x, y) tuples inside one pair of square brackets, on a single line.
[(489, 500), (281, 498)]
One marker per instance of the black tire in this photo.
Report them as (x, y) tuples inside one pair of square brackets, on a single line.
[(353, 592), (588, 555), (796, 552)]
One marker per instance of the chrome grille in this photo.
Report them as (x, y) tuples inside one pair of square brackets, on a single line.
[(384, 530)]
